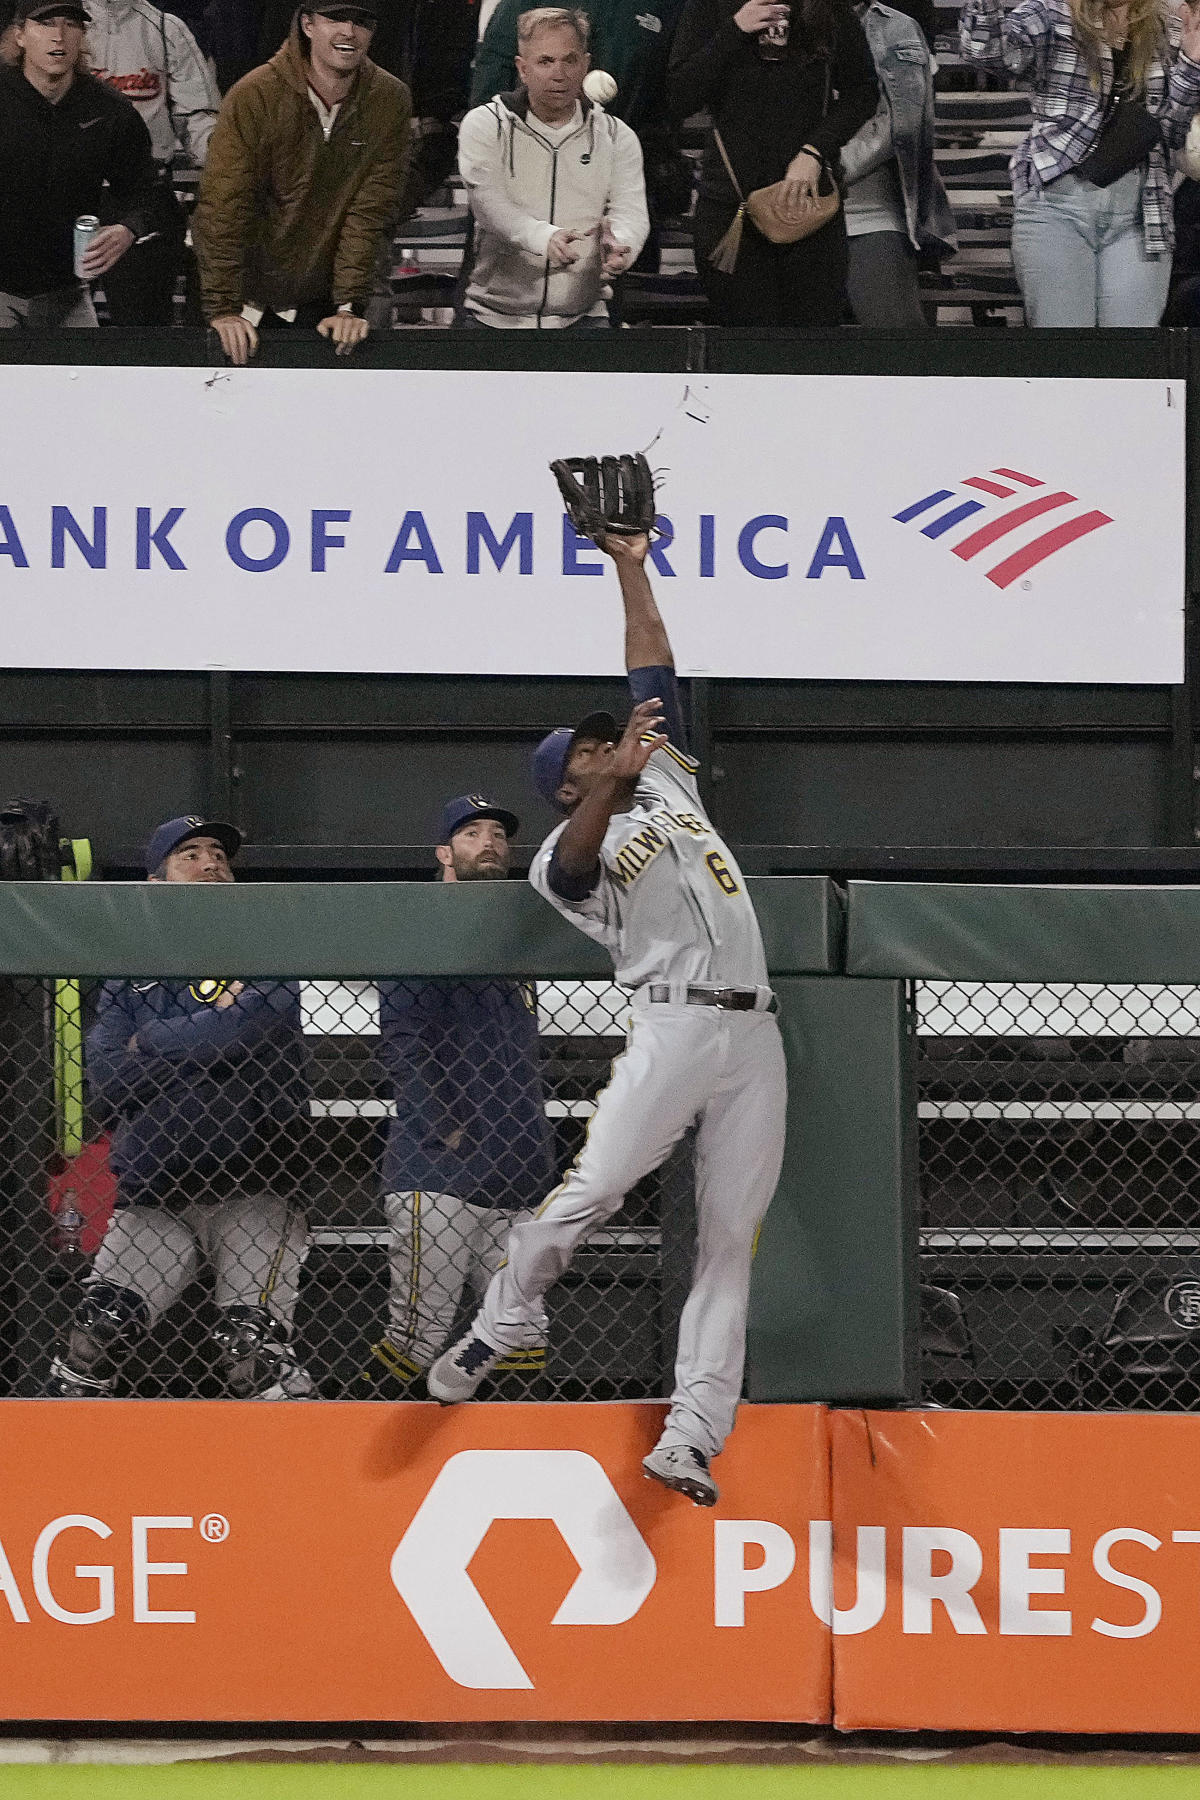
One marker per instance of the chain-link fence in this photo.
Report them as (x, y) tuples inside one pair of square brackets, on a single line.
[(1060, 1190), (212, 1188), (284, 1189)]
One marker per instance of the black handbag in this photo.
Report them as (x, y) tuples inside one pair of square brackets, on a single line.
[(1128, 134)]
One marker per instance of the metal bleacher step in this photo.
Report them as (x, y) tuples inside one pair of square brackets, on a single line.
[(982, 109), (376, 1237), (1006, 1239), (970, 168), (375, 1108)]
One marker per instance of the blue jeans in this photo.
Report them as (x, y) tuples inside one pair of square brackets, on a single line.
[(1079, 255)]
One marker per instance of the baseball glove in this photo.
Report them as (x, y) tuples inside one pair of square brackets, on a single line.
[(607, 494), (29, 846)]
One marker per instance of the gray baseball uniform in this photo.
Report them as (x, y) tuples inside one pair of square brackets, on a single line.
[(207, 1106), (671, 908)]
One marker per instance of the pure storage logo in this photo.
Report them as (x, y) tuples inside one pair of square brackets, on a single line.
[(617, 1569), (941, 1569), (474, 1489), (1027, 522)]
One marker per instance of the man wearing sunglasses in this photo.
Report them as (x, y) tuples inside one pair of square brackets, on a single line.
[(303, 178)]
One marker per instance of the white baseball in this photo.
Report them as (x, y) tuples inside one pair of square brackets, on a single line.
[(599, 86)]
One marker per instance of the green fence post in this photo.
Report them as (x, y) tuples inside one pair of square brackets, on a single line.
[(833, 1302)]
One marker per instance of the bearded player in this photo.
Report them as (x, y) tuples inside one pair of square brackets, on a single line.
[(469, 1147), (637, 866)]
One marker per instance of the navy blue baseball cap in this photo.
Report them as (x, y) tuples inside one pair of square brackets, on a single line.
[(169, 836), (460, 812), (553, 753), (51, 9)]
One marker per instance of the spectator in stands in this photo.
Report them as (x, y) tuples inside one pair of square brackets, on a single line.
[(783, 111), (631, 40), (469, 1149), (555, 187), (228, 33), (1183, 307), (426, 44), (67, 142), (303, 178), (896, 205), (152, 58), (206, 1086), (1114, 87)]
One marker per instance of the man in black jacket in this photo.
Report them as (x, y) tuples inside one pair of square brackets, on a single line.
[(63, 137)]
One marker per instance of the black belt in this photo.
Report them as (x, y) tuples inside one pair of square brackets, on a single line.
[(729, 999)]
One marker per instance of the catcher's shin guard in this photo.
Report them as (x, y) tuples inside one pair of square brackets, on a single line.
[(255, 1358), (108, 1323)]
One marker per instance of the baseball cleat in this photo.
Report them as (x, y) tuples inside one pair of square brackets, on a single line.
[(684, 1470), (458, 1372), (66, 1383)]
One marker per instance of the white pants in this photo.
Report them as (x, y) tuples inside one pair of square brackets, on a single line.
[(681, 1065), (256, 1244), (436, 1244)]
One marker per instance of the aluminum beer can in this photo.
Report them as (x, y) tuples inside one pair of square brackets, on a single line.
[(86, 227)]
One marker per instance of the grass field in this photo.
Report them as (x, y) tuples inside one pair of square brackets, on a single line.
[(492, 1781)]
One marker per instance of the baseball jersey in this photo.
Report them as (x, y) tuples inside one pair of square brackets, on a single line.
[(212, 1098), (470, 1102), (671, 903)]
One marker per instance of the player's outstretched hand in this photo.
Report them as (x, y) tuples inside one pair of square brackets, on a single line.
[(640, 739), (627, 549)]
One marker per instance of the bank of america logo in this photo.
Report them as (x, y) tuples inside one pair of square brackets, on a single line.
[(1006, 526)]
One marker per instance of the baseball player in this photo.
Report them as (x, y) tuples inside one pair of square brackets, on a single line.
[(637, 866), (470, 1148), (205, 1082)]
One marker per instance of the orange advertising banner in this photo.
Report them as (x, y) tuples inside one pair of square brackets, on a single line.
[(1016, 1572), (210, 1560)]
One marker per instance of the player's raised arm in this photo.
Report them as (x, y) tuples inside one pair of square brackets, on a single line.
[(611, 500), (646, 642), (648, 658)]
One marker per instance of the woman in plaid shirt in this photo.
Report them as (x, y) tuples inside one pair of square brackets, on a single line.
[(1085, 253)]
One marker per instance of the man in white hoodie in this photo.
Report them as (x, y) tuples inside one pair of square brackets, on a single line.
[(153, 60), (555, 186)]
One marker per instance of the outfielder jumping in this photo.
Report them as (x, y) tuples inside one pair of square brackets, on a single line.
[(637, 866)]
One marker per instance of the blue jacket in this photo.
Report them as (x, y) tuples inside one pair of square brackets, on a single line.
[(210, 1098), (462, 1057), (903, 127)]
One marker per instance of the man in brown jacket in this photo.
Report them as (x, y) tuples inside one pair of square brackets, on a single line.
[(303, 178)]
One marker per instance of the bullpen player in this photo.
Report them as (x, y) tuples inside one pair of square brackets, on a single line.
[(470, 1148), (637, 866), (205, 1084)]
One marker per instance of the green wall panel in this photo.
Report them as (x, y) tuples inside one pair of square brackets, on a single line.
[(351, 928), (965, 932), (833, 1303)]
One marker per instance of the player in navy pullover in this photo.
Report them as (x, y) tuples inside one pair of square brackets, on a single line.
[(470, 1148), (204, 1087)]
